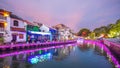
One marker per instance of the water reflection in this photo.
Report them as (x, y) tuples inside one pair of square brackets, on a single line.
[(62, 53), (64, 56)]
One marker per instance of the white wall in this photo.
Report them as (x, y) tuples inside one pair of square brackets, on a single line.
[(8, 37), (21, 23), (18, 39), (45, 28)]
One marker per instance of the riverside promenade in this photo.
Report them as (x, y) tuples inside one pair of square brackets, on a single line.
[(33, 45), (114, 47), (103, 47)]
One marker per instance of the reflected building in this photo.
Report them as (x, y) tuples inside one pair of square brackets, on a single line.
[(7, 62), (62, 53)]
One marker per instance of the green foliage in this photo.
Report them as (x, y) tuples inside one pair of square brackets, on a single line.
[(1, 40), (101, 30), (92, 35), (84, 32), (114, 31)]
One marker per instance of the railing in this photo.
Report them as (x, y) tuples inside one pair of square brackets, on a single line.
[(2, 29), (2, 17), (113, 46), (104, 48)]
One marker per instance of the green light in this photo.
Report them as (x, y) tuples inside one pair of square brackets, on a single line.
[(40, 52)]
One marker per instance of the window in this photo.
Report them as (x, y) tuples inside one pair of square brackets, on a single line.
[(15, 23), (1, 25), (21, 36)]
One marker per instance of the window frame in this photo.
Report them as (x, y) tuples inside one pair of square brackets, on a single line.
[(15, 23)]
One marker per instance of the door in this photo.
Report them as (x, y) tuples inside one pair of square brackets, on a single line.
[(14, 38)]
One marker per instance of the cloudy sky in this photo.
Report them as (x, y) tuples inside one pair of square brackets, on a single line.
[(76, 14)]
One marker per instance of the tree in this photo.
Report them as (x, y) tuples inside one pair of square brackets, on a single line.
[(100, 31), (84, 32), (92, 35), (114, 31)]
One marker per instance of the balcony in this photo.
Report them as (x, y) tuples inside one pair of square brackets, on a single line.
[(2, 29), (2, 18)]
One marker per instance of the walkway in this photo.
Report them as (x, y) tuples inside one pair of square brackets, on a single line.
[(34, 45), (114, 47), (106, 49)]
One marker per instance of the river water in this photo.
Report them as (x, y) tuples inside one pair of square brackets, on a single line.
[(66, 56)]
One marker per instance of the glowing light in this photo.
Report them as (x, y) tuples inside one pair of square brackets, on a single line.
[(5, 24), (39, 58), (43, 33), (6, 14), (34, 60), (29, 51), (80, 40), (40, 51), (109, 54)]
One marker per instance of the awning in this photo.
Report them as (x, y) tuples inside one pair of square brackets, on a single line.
[(42, 33)]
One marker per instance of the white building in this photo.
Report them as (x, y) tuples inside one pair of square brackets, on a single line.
[(65, 33), (11, 27), (5, 25), (17, 27), (46, 31)]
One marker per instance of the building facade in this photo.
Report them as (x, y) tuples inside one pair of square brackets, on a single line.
[(54, 33), (46, 34), (5, 34), (17, 28), (37, 32), (65, 33), (12, 27), (31, 32)]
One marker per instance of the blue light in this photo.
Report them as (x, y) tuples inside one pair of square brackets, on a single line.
[(34, 60), (39, 58)]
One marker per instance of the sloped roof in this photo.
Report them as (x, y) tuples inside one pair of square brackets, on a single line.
[(60, 26), (2, 10), (28, 23), (15, 17)]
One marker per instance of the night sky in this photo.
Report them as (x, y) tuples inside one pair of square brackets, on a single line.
[(76, 14)]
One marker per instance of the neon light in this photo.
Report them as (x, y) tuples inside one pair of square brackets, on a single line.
[(31, 44), (43, 33), (29, 51), (80, 40), (101, 45)]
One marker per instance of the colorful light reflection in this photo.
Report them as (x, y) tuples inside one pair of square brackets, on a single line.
[(39, 58), (29, 51)]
